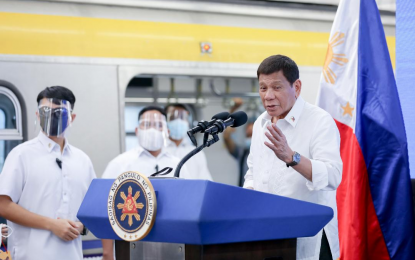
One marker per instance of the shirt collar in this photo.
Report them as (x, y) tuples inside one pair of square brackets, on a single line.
[(170, 143), (141, 151), (49, 144), (293, 116)]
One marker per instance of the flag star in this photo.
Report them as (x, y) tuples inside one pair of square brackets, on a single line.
[(347, 110)]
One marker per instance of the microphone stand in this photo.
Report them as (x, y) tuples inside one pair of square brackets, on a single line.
[(206, 143)]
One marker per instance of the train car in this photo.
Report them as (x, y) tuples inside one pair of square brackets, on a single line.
[(118, 56)]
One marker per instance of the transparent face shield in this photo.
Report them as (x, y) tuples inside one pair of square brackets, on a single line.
[(178, 123), (55, 116), (152, 131)]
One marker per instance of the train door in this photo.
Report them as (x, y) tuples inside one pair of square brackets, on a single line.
[(12, 124)]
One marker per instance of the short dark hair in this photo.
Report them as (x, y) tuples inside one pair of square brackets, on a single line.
[(175, 105), (57, 92), (276, 63), (149, 108)]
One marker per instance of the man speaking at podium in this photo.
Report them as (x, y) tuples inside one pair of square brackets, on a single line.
[(295, 151)]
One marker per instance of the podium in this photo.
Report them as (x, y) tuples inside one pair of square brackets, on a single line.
[(207, 220)]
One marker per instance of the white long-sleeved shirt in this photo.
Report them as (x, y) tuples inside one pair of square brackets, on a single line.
[(197, 165), (140, 160), (311, 132), (32, 179)]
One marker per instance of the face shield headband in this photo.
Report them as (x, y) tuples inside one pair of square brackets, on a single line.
[(55, 116)]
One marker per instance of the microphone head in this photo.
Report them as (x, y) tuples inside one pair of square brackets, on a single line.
[(221, 115), (240, 118)]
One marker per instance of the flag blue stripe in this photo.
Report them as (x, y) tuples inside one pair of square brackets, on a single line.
[(381, 134)]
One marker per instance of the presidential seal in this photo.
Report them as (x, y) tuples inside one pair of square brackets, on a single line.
[(132, 206)]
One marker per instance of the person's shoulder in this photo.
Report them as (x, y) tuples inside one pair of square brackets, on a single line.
[(317, 117), (79, 153), (119, 163), (316, 112), (25, 148)]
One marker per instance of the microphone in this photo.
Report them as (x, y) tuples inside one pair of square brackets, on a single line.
[(203, 125), (235, 120), (59, 162)]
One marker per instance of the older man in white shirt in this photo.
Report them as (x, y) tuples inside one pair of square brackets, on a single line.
[(149, 157), (43, 183), (178, 124), (295, 151)]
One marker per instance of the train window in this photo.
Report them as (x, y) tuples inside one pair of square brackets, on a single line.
[(131, 122), (11, 133)]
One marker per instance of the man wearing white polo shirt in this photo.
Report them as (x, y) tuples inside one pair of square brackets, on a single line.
[(147, 158), (178, 124), (295, 151), (43, 183)]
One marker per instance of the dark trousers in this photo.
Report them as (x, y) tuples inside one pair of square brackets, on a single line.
[(325, 253)]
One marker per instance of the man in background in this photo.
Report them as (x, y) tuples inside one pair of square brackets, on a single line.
[(178, 125), (148, 157), (43, 183), (239, 152)]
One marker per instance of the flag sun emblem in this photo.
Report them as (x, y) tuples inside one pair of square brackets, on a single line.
[(334, 58), (132, 206)]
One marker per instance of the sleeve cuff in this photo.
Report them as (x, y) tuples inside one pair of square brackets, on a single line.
[(319, 175)]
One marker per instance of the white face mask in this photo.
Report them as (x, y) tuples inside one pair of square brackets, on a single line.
[(151, 139), (9, 232)]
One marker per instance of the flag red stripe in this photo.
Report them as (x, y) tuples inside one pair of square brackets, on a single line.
[(360, 235)]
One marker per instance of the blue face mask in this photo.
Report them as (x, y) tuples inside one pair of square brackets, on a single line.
[(178, 128)]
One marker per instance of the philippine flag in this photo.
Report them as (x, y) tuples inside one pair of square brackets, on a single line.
[(358, 89)]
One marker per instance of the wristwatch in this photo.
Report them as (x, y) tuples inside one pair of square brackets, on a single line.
[(296, 160)]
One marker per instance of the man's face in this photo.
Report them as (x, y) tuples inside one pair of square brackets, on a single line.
[(277, 94)]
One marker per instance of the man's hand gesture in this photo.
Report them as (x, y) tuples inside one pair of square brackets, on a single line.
[(278, 144)]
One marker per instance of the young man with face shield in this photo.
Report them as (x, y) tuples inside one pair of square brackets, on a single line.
[(178, 124), (43, 183), (147, 158)]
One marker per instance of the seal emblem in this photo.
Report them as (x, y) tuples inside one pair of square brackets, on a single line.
[(132, 216)]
